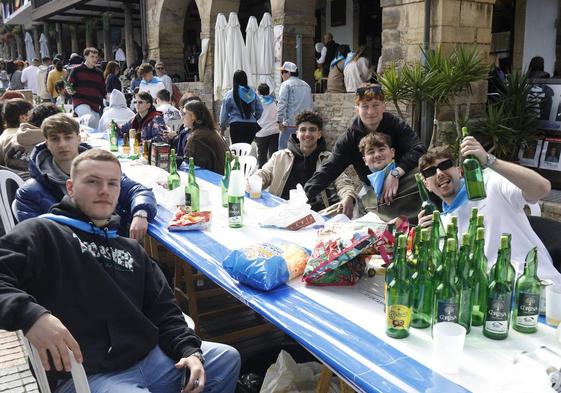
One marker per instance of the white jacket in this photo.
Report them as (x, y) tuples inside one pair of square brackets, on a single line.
[(117, 110)]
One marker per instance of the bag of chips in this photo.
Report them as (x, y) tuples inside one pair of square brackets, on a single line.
[(335, 262), (265, 266)]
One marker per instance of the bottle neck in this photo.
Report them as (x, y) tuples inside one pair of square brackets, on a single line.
[(479, 256), (423, 193), (501, 267), (172, 165)]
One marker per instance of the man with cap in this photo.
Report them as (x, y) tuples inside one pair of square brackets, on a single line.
[(29, 76), (295, 96)]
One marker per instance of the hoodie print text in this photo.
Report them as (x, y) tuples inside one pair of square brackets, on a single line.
[(120, 260)]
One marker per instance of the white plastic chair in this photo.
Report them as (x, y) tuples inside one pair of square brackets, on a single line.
[(247, 165), (535, 209), (76, 369), (6, 204), (241, 149)]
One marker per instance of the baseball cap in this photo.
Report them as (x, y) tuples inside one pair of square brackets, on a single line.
[(290, 67)]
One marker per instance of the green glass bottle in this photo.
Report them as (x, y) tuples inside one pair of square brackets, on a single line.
[(473, 175), (438, 276), (454, 222), (464, 283), (226, 178), (192, 191), (113, 137), (236, 198), (174, 180), (423, 285), (446, 300), (510, 271), (426, 204), (398, 306), (497, 317), (434, 252), (472, 228), (527, 296), (479, 279), (390, 272), (236, 165), (480, 221)]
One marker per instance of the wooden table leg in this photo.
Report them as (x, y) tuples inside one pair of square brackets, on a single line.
[(324, 379)]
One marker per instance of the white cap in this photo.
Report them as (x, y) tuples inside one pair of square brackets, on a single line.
[(290, 67)]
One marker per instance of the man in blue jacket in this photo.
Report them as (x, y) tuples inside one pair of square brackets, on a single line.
[(49, 168)]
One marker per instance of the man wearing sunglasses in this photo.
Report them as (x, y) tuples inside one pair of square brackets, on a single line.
[(372, 117), (509, 188)]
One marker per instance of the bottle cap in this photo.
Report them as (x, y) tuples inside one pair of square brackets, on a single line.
[(480, 235), (236, 185)]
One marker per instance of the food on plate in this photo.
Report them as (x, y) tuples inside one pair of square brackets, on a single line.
[(184, 219)]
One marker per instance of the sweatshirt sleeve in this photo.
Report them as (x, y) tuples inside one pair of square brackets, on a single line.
[(20, 264), (137, 197), (176, 339), (331, 169)]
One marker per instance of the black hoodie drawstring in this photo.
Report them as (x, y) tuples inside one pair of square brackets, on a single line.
[(106, 244)]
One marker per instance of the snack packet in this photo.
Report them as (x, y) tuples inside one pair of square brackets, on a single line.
[(265, 266)]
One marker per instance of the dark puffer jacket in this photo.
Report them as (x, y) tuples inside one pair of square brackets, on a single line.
[(44, 189)]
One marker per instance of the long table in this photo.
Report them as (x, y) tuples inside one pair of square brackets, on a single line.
[(342, 326)]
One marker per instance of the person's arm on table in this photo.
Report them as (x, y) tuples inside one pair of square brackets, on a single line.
[(137, 199), (532, 184), (346, 193)]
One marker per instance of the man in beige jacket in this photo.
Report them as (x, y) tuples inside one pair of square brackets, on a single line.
[(295, 165)]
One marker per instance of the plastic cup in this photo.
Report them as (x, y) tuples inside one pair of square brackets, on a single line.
[(553, 305), (255, 185), (448, 346)]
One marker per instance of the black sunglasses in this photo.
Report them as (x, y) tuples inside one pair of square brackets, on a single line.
[(374, 90), (431, 170)]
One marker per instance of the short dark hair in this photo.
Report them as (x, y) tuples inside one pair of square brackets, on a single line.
[(92, 155), (145, 68), (374, 139), (310, 117), (60, 123), (145, 96), (59, 85), (13, 109), (163, 95), (41, 112), (89, 50), (263, 89), (433, 154), (45, 58)]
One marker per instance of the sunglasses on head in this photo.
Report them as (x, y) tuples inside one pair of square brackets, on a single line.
[(375, 90), (431, 170)]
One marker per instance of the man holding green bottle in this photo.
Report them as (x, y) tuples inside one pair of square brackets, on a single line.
[(509, 188)]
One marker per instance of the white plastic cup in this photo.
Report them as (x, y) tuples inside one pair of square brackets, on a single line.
[(553, 305), (448, 346), (255, 186)]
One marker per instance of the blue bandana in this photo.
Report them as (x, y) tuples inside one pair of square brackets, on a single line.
[(378, 178), (349, 58), (267, 100), (247, 94), (335, 61), (459, 200)]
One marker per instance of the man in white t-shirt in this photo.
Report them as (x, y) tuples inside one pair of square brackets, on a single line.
[(165, 78), (163, 105), (149, 82), (29, 76), (508, 186)]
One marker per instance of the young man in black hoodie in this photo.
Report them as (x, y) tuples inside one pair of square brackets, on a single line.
[(372, 117), (68, 280)]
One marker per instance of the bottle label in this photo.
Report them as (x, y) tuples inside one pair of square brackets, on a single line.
[(447, 311), (528, 309), (235, 213), (497, 316), (398, 317)]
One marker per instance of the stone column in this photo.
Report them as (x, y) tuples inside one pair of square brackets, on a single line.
[(74, 48), (89, 34), (297, 17), (20, 43), (13, 48), (107, 44), (129, 37), (36, 36), (59, 38)]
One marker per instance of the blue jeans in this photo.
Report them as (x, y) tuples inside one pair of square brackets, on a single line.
[(156, 373), (284, 136)]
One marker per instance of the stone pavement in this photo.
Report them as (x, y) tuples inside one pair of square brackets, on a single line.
[(15, 376)]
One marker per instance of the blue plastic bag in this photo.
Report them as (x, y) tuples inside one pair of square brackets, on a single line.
[(265, 266)]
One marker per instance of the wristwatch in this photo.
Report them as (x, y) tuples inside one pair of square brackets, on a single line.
[(395, 173), (141, 213), (199, 356), (491, 159)]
